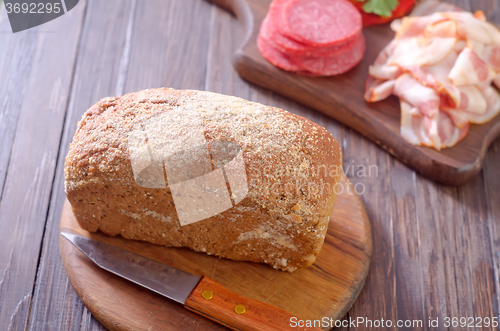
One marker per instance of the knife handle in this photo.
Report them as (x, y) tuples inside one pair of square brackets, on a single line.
[(213, 301)]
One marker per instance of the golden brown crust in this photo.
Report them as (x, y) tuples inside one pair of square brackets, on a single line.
[(292, 166)]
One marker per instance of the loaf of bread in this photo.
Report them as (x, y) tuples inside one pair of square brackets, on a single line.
[(214, 173)]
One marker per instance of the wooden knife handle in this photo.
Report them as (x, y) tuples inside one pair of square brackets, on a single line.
[(211, 300)]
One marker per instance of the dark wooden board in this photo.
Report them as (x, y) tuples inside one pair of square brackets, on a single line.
[(341, 97), (326, 289)]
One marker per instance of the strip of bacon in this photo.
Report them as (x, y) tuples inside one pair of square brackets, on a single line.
[(442, 68), (412, 127), (381, 69), (442, 29), (462, 117), (409, 27), (425, 99), (416, 129), (471, 28), (377, 89), (490, 54), (469, 69), (436, 76)]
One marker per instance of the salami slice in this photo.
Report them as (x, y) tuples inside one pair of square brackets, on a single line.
[(271, 30), (333, 65), (330, 51), (275, 56), (320, 22), (271, 33)]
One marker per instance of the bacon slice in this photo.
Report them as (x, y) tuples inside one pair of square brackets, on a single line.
[(462, 117), (442, 68), (421, 51), (417, 130), (472, 100), (381, 68), (409, 27), (436, 51), (377, 89), (425, 99), (386, 53), (436, 77), (469, 69), (490, 54), (412, 127), (449, 134), (442, 29), (471, 28), (385, 72)]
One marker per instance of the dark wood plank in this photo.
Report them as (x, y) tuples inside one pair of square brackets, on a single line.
[(102, 50), (378, 298), (16, 63), (467, 248), (438, 301), (408, 268), (89, 322), (26, 195), (170, 43), (492, 191), (440, 265), (226, 35), (454, 245), (474, 244)]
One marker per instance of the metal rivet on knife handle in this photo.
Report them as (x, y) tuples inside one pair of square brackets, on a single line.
[(206, 294), (161, 279), (236, 311), (239, 309)]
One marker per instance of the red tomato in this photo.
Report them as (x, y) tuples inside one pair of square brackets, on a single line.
[(401, 10)]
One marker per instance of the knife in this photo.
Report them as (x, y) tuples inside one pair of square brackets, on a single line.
[(201, 295)]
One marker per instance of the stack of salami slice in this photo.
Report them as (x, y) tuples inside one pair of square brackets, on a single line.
[(312, 37)]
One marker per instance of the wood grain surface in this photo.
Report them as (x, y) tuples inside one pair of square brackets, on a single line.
[(326, 289), (341, 97), (236, 311), (435, 248)]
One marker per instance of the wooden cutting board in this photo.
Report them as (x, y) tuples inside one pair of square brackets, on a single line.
[(341, 97), (326, 289)]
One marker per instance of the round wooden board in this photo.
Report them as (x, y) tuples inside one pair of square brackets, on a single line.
[(326, 289)]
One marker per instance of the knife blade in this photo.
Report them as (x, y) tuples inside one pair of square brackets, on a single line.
[(201, 295)]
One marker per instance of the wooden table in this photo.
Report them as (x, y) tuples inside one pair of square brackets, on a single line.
[(436, 248)]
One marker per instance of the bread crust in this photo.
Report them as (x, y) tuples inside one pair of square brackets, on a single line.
[(292, 168)]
